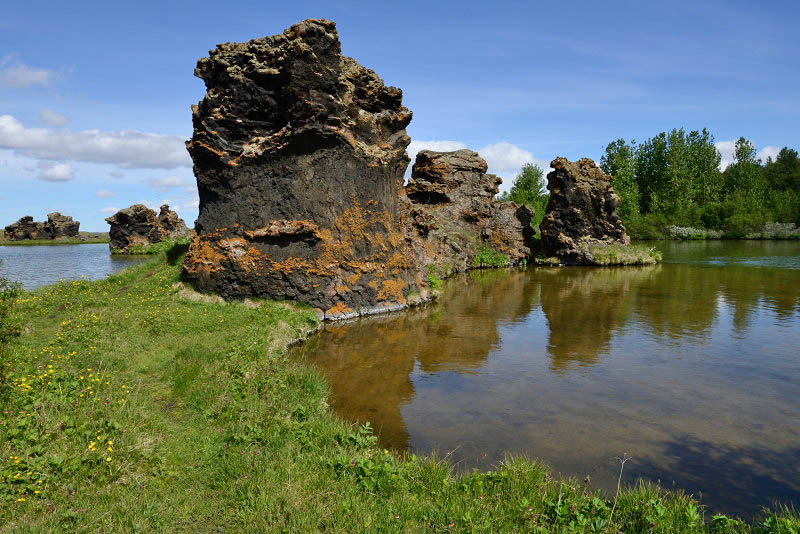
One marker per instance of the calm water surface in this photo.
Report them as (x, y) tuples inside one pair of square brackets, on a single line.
[(36, 266), (691, 367)]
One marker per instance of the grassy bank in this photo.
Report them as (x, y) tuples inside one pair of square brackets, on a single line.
[(84, 238), (133, 404)]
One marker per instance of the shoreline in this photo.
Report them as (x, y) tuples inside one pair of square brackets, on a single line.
[(85, 238), (210, 425)]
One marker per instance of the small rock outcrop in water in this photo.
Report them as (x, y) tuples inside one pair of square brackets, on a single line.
[(299, 154), (57, 226), (581, 212), (452, 212), (138, 225)]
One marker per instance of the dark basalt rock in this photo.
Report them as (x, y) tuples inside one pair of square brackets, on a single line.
[(139, 225), (62, 226), (57, 226), (299, 154), (452, 212), (581, 212)]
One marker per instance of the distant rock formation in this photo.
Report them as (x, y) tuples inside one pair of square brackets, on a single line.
[(582, 211), (299, 154), (452, 212), (139, 225), (57, 226)]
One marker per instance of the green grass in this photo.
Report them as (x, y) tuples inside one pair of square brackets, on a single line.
[(153, 249), (487, 257), (624, 254), (435, 282), (85, 238), (133, 407)]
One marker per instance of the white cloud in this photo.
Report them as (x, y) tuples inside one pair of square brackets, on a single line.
[(105, 193), (727, 150), (506, 160), (53, 118), (109, 210), (126, 149), (60, 172), (168, 182), (20, 76), (768, 152)]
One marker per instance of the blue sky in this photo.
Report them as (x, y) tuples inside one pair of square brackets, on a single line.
[(95, 96)]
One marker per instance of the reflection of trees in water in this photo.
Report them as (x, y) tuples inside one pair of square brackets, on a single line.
[(685, 298), (369, 362), (584, 306)]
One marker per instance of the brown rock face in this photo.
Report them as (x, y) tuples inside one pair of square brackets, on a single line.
[(139, 225), (57, 226), (582, 211), (62, 226), (299, 154), (452, 212), (172, 225)]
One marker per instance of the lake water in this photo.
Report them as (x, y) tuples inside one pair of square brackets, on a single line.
[(36, 266), (692, 367)]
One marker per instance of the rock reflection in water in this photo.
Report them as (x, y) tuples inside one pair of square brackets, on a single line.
[(577, 366), (370, 361)]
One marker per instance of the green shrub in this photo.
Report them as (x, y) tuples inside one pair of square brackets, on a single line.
[(156, 248), (650, 226), (9, 328), (434, 281), (487, 257), (742, 224)]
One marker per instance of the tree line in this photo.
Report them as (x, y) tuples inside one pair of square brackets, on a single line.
[(674, 179)]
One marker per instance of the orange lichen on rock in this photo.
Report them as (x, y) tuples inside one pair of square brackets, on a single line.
[(338, 308), (202, 257), (392, 291)]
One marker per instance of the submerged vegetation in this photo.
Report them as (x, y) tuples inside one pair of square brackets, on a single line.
[(132, 406)]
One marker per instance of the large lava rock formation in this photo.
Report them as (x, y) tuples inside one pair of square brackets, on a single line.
[(299, 154), (581, 212)]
